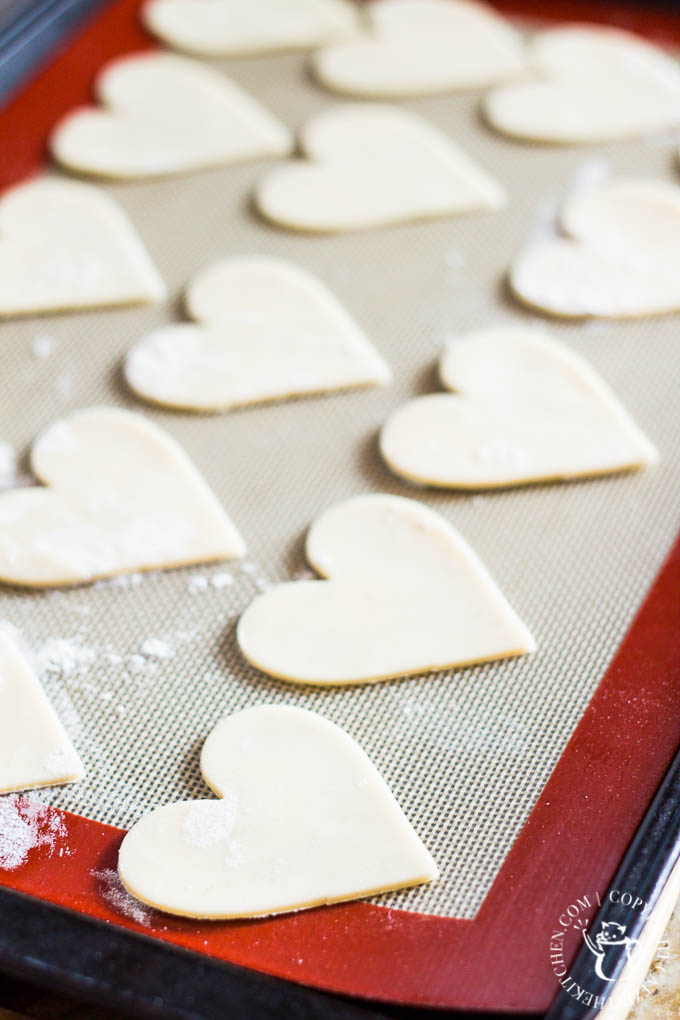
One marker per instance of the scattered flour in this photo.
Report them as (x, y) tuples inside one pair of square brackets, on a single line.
[(157, 648), (197, 584), (120, 581), (221, 580), (60, 761), (209, 821), (43, 346), (412, 709), (26, 823), (140, 665), (261, 582), (116, 896), (65, 656), (165, 645)]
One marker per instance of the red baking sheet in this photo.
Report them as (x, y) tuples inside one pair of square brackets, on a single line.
[(578, 829)]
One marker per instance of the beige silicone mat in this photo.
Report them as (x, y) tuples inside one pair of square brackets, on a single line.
[(466, 753)]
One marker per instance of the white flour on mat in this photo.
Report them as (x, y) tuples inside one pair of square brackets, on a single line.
[(116, 896), (26, 823)]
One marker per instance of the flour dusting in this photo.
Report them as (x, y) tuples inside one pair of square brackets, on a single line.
[(43, 346), (209, 821), (62, 761), (221, 580), (590, 174), (197, 584), (116, 896), (120, 581), (65, 656), (157, 648), (26, 823)]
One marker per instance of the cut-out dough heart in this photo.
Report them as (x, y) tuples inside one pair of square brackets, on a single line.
[(305, 819), (593, 84), (525, 409), (67, 245), (416, 47), (373, 165), (122, 496), (267, 330), (234, 28), (165, 114), (34, 747), (405, 594), (619, 257)]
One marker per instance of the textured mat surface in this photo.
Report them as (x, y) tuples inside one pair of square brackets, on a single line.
[(465, 753)]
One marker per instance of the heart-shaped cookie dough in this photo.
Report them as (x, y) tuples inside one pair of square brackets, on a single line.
[(122, 496), (267, 330), (234, 28), (618, 258), (372, 165), (66, 245), (305, 819), (593, 84), (34, 747), (405, 594), (165, 114), (526, 409), (417, 47)]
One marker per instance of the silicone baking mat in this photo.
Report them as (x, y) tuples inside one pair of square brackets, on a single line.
[(141, 668)]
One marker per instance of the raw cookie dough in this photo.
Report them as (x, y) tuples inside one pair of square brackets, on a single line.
[(405, 594), (526, 408), (34, 747), (234, 28), (418, 47), (165, 114), (371, 165), (619, 257), (304, 819), (122, 496), (268, 329), (66, 245), (592, 84)]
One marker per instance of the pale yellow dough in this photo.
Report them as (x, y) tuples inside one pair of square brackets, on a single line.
[(305, 819), (34, 747), (164, 114), (525, 408), (268, 329), (618, 258), (591, 84), (235, 28), (419, 47), (64, 244), (121, 496), (372, 165), (405, 594)]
